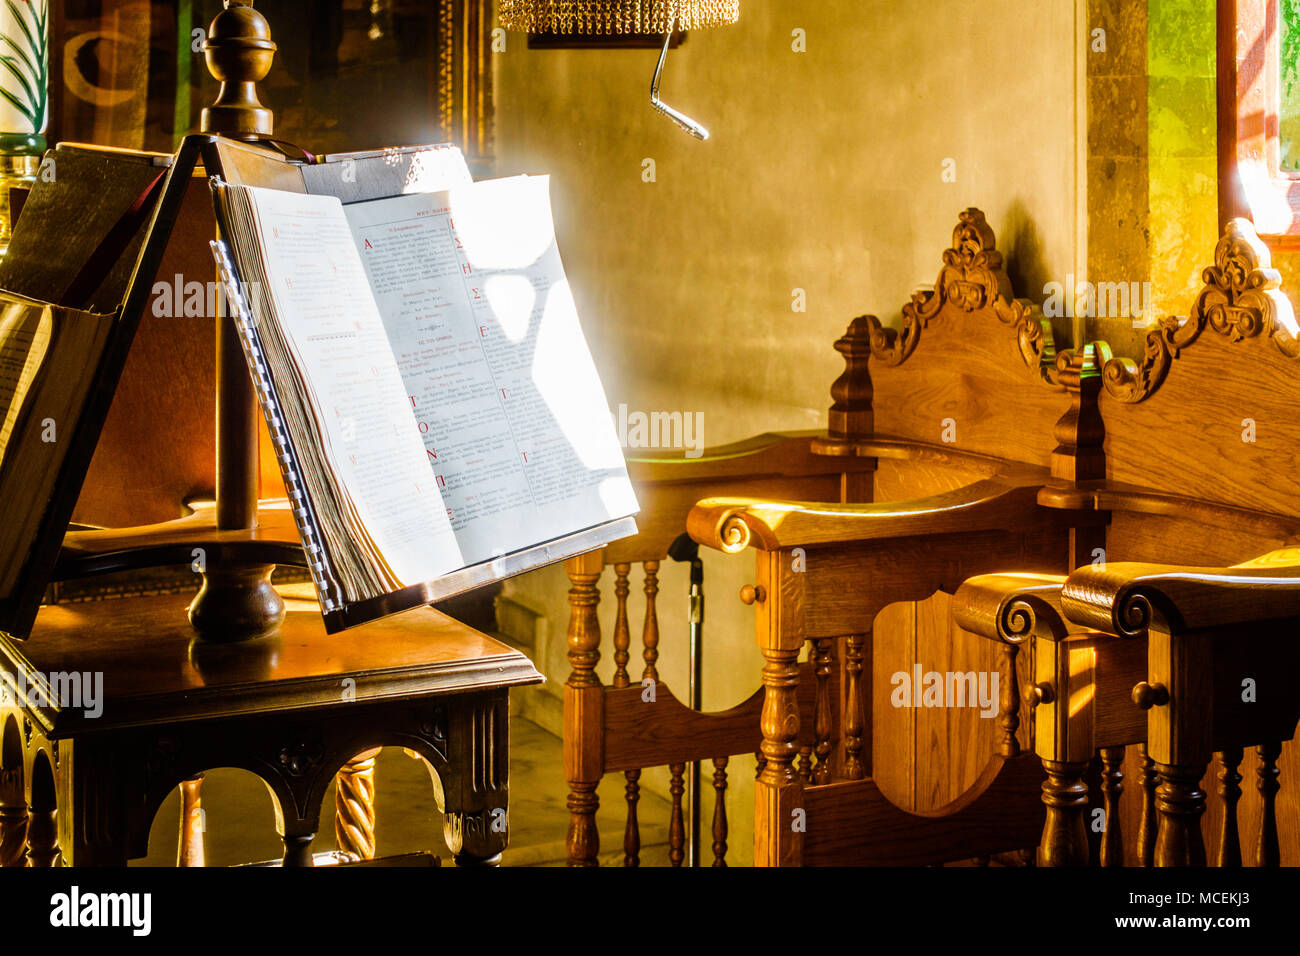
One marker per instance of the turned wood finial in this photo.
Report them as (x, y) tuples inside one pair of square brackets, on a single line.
[(238, 51), (851, 415)]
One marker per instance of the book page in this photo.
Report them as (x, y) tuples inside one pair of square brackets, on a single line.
[(328, 316), (506, 397), (24, 340)]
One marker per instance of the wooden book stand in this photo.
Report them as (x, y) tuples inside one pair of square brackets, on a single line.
[(296, 707)]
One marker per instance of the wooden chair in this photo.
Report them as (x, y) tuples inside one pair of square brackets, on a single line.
[(1169, 641), (963, 415), (612, 729)]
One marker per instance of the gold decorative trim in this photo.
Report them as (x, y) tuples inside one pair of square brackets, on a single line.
[(601, 17), (971, 279), (1241, 299), (465, 104)]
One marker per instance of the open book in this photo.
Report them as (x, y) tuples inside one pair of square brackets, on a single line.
[(423, 372)]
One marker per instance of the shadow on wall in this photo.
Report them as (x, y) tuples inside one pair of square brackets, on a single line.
[(1022, 251)]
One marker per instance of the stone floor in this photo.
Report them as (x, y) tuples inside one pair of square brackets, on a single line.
[(239, 821)]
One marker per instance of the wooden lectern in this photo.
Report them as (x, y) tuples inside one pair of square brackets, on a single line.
[(249, 680)]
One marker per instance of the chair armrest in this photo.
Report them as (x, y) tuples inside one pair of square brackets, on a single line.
[(1011, 608), (1124, 598), (731, 524)]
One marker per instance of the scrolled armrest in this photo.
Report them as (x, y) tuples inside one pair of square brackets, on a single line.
[(1012, 608), (732, 524), (1124, 598)]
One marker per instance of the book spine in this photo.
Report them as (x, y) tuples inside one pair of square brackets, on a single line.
[(331, 595)]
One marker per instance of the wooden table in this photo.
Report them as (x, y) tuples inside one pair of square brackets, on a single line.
[(291, 708)]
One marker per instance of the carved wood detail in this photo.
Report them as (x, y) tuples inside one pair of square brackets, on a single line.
[(354, 800), (1240, 300), (972, 278)]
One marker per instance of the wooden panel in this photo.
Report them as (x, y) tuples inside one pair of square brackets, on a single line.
[(912, 569), (893, 729), (953, 743), (1209, 409), (900, 479), (157, 448), (971, 385), (852, 823), (1188, 436), (639, 733), (1159, 539)]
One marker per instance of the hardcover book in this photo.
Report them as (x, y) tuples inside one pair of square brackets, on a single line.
[(436, 412)]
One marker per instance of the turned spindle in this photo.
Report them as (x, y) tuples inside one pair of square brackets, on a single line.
[(853, 651), (1229, 852), (582, 690), (632, 828), (1146, 838), (1268, 851), (676, 825), (823, 718), (1112, 787), (1180, 802), (720, 811), (622, 633), (650, 630), (1065, 794)]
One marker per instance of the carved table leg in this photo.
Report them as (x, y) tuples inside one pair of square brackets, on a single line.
[(1065, 837), (1180, 801), (189, 851), (297, 849), (354, 806), (43, 838), (13, 819), (476, 818)]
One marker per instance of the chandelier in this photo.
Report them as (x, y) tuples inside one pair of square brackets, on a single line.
[(606, 17)]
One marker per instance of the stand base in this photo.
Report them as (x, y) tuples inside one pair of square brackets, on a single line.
[(236, 604)]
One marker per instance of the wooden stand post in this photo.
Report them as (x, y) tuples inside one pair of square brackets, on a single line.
[(236, 602)]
